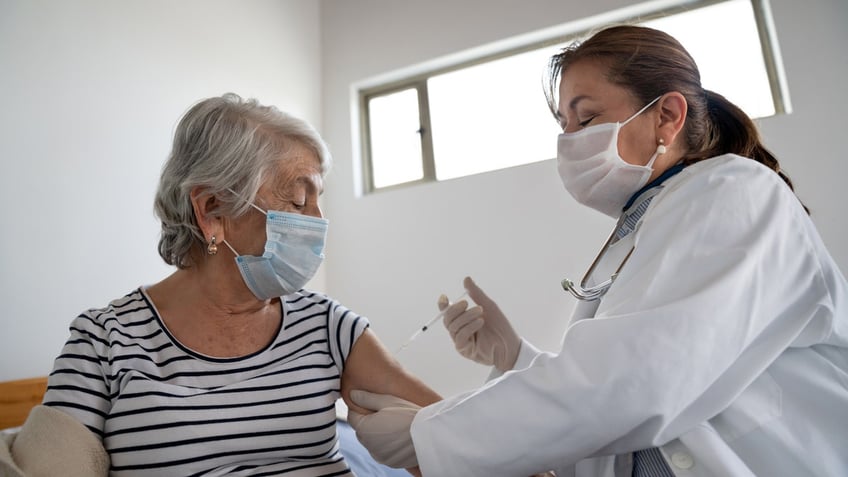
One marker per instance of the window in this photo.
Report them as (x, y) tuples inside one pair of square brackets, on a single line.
[(396, 154), (486, 111)]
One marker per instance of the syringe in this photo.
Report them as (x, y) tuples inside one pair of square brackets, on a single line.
[(429, 324)]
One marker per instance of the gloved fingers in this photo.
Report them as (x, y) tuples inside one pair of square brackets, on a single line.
[(386, 436), (375, 402), (454, 310), (465, 334), (478, 295), (459, 321), (400, 456), (397, 452), (354, 418), (467, 350), (443, 302), (374, 430)]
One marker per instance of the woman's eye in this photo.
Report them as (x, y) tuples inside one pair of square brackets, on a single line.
[(299, 206), (587, 121)]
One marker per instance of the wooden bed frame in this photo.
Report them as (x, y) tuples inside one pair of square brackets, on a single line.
[(18, 397)]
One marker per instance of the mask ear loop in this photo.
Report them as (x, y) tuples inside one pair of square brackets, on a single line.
[(642, 110), (257, 208), (265, 213), (249, 202), (661, 149), (230, 247)]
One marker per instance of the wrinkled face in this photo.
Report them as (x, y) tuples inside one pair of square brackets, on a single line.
[(296, 186), (587, 98), (295, 189)]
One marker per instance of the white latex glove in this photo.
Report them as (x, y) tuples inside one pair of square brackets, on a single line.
[(481, 333), (385, 433)]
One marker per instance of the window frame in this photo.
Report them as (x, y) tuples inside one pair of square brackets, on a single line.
[(417, 78)]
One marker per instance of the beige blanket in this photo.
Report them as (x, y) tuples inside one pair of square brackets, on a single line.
[(52, 443)]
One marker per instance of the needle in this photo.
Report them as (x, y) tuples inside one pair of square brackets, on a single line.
[(428, 324)]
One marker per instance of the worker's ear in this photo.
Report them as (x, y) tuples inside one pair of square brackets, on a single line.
[(672, 108), (205, 206)]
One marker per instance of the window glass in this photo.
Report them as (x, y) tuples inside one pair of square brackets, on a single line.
[(395, 139), (491, 116)]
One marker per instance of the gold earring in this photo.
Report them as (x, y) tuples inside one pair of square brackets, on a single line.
[(661, 149), (212, 248)]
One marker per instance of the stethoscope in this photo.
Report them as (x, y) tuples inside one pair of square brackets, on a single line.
[(585, 293), (647, 194), (627, 224)]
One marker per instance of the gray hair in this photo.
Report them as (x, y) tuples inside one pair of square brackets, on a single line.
[(224, 143)]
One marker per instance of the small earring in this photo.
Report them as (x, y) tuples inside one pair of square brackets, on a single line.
[(661, 149), (212, 248)]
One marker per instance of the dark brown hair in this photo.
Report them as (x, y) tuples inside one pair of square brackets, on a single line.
[(650, 63)]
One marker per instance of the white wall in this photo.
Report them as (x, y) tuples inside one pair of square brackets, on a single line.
[(517, 231), (92, 90)]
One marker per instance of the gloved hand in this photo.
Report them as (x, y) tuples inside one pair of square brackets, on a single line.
[(385, 433), (481, 333)]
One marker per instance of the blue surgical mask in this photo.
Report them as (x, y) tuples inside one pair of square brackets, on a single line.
[(293, 252)]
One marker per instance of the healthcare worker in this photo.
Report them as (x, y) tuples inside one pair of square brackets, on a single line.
[(711, 332)]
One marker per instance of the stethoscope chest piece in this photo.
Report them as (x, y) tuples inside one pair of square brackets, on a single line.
[(590, 293), (595, 292)]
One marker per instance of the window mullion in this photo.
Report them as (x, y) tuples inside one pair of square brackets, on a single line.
[(365, 146), (771, 56), (425, 132)]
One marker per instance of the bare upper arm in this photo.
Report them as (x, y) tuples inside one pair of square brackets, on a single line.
[(371, 367)]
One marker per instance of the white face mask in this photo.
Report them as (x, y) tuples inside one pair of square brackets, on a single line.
[(592, 170)]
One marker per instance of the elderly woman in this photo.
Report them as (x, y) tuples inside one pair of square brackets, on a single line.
[(228, 366)]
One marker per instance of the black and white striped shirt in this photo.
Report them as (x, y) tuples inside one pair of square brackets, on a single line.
[(163, 409)]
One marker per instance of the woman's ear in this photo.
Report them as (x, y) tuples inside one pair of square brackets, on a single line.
[(205, 205), (672, 108)]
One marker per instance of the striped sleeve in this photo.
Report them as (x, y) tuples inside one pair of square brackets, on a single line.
[(345, 327), (78, 383)]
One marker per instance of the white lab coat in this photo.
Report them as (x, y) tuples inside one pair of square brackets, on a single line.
[(724, 340)]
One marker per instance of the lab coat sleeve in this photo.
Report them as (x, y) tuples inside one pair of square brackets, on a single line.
[(526, 354), (709, 297)]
